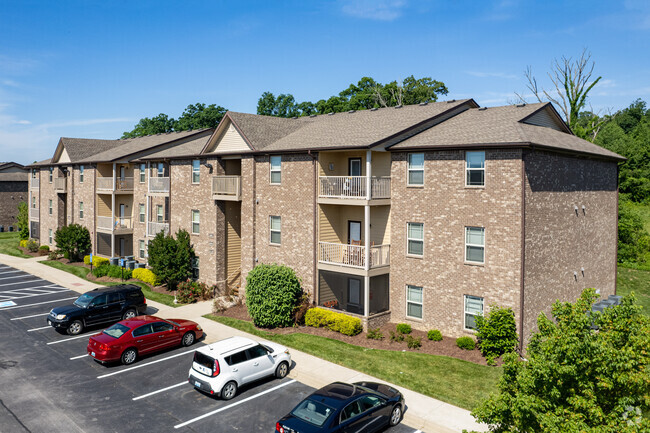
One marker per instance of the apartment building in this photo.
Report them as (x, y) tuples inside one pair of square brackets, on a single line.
[(425, 214), (13, 190)]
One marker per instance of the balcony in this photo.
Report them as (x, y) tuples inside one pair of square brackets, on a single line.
[(226, 188), (353, 256), (60, 184), (153, 228), (34, 183), (116, 225), (333, 189), (33, 213), (158, 185), (122, 184)]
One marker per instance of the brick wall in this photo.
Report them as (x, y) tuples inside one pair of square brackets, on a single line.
[(139, 196), (446, 207), (82, 192), (561, 241), (47, 221), (11, 194)]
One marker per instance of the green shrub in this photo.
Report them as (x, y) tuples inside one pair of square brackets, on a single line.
[(112, 271), (413, 343), (23, 221), (375, 334), (101, 271), (73, 240), (32, 245), (434, 335), (44, 248), (189, 291), (171, 259), (145, 275), (496, 333), (397, 337), (272, 294), (97, 261), (466, 343), (403, 328), (338, 322)]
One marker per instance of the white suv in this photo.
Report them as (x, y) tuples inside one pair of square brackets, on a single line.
[(224, 366)]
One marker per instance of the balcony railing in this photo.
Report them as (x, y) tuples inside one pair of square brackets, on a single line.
[(60, 184), (124, 184), (353, 255), (33, 213), (153, 228), (117, 224), (353, 187), (158, 184), (105, 223), (105, 183), (226, 188), (34, 182)]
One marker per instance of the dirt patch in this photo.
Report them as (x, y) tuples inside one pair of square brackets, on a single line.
[(446, 347)]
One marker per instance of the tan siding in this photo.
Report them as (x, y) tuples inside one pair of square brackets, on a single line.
[(380, 164), (233, 237), (326, 229), (544, 118), (380, 225), (231, 141), (103, 205), (325, 291)]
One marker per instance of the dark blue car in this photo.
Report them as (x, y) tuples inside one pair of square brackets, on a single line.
[(343, 407)]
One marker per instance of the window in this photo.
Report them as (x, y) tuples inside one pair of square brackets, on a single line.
[(256, 352), (49, 209), (276, 169), (415, 239), (50, 236), (141, 207), (414, 302), (33, 173), (33, 202), (475, 168), (162, 326), (276, 224), (50, 174), (81, 210), (195, 268), (236, 358), (142, 173), (416, 169), (159, 213), (143, 330), (473, 308), (81, 174), (475, 244), (141, 245), (196, 171), (195, 222), (161, 169)]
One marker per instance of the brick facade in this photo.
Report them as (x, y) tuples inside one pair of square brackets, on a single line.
[(49, 221), (11, 194)]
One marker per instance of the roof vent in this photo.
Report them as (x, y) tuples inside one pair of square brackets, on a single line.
[(521, 105), (331, 113), (422, 104), (450, 101), (351, 111), (374, 109), (398, 106), (482, 108)]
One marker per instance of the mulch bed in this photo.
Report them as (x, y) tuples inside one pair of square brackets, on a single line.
[(446, 347), (36, 254)]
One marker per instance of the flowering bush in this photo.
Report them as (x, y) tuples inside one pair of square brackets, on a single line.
[(145, 275), (190, 291), (97, 261)]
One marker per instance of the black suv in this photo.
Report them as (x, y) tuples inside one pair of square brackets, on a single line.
[(99, 306)]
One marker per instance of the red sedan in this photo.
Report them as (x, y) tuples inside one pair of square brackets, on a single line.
[(128, 339)]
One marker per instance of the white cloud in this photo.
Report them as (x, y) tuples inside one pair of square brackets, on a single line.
[(379, 10)]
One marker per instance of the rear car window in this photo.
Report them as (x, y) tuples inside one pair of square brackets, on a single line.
[(236, 358), (142, 330), (313, 412), (116, 331), (134, 294), (203, 360), (114, 297)]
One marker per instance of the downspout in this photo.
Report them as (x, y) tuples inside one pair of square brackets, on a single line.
[(254, 210), (315, 225), (523, 252), (366, 224)]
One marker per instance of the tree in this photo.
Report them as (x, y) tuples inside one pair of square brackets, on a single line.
[(572, 83), (633, 239), (272, 294), (74, 241), (171, 259), (156, 125), (23, 221), (198, 116), (577, 378)]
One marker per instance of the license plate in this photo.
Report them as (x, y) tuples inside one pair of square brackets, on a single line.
[(197, 384), (92, 354)]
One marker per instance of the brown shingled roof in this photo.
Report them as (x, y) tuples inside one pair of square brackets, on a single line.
[(188, 148), (79, 149)]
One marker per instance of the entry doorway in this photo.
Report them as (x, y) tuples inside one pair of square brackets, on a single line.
[(354, 232), (354, 167)]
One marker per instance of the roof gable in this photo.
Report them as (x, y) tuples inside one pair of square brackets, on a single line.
[(547, 117), (227, 139)]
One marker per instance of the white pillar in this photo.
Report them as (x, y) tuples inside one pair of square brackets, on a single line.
[(366, 296), (113, 213), (366, 223)]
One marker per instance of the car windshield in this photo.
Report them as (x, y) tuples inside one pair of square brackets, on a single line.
[(83, 300), (116, 331), (312, 411)]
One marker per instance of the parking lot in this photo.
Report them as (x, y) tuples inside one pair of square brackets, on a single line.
[(48, 383)]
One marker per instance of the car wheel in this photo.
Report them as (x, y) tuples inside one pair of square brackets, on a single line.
[(282, 370), (75, 327), (395, 416), (229, 390), (188, 339), (128, 314), (129, 356)]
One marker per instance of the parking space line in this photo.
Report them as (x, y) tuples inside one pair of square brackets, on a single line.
[(9, 272), (18, 276), (144, 365), (19, 282), (37, 303), (34, 289), (68, 339), (160, 390), (221, 409), (6, 298), (29, 317), (38, 329), (78, 357)]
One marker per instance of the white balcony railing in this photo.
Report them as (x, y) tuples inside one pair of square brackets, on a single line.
[(33, 213), (124, 184), (158, 184), (226, 187), (153, 228), (60, 184), (105, 223), (353, 187), (34, 182), (353, 255), (105, 183)]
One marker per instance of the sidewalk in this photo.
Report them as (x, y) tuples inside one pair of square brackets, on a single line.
[(424, 413)]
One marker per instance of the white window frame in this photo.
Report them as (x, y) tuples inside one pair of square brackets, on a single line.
[(160, 170), (51, 174), (409, 239), (142, 212), (196, 268), (469, 169), (143, 173), (33, 202), (50, 236), (141, 249), (467, 244), (49, 209), (81, 210), (196, 171), (471, 313), (272, 230), (277, 169), (413, 302), (81, 174), (160, 214), (409, 169), (196, 222)]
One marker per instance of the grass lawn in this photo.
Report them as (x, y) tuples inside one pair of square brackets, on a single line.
[(81, 272), (460, 383), (637, 281), (9, 245)]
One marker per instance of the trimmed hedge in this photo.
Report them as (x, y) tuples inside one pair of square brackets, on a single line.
[(97, 261), (403, 328), (338, 322), (112, 271), (272, 294), (145, 275), (45, 248), (434, 335), (466, 343)]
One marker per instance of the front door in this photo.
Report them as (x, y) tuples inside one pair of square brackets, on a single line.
[(354, 232), (354, 167)]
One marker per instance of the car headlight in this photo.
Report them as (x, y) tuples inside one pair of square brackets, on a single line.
[(198, 328), (60, 316)]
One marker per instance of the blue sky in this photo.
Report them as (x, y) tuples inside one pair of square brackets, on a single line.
[(93, 68)]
